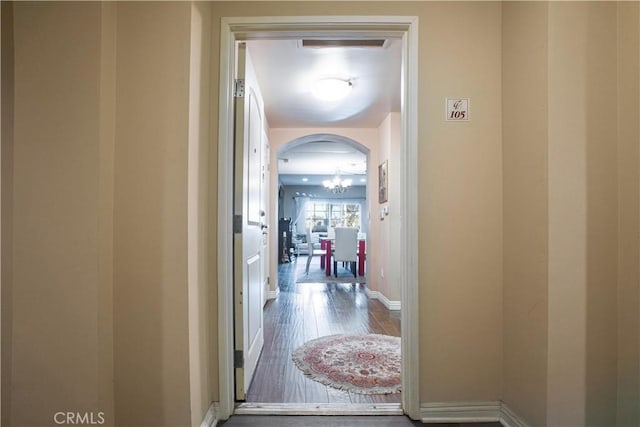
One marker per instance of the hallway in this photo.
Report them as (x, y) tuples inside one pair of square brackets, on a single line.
[(305, 311), (511, 239)]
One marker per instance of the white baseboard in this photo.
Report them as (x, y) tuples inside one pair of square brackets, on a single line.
[(454, 412), (211, 418), (508, 418), (273, 294), (470, 412), (391, 305), (460, 412)]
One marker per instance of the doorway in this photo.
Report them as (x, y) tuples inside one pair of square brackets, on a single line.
[(308, 304), (235, 29), (304, 168)]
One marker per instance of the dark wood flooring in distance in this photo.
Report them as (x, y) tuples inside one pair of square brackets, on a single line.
[(304, 311)]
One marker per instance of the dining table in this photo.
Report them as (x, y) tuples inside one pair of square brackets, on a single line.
[(326, 244)]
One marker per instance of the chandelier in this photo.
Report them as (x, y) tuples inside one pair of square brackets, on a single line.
[(337, 185)]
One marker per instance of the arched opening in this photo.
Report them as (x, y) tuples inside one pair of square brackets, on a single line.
[(328, 137), (310, 290), (302, 165)]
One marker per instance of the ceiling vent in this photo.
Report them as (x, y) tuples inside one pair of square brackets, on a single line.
[(368, 43)]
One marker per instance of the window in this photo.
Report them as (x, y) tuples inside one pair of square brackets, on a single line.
[(322, 215)]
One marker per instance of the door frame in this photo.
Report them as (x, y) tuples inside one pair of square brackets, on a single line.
[(235, 29)]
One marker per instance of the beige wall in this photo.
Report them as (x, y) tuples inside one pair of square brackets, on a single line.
[(386, 270), (150, 217), (582, 214), (602, 214), (559, 155), (526, 228), (567, 215), (628, 214), (62, 318), (101, 190), (198, 211), (461, 261), (106, 208), (6, 157), (460, 206), (374, 238), (102, 204), (382, 273)]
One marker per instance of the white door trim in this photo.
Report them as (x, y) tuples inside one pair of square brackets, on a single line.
[(243, 28)]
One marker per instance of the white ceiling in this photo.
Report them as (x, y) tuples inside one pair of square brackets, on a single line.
[(286, 71), (313, 162)]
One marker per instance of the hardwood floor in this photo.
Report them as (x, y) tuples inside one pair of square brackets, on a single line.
[(304, 311)]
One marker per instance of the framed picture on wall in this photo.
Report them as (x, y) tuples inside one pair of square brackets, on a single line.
[(383, 183)]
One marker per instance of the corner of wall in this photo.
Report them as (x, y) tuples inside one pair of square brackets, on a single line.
[(525, 216), (211, 417), (105, 207), (199, 309), (628, 298), (385, 219), (6, 207), (471, 412)]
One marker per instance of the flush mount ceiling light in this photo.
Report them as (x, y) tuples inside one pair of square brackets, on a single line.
[(331, 89)]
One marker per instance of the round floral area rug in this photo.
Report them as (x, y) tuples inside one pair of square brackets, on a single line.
[(364, 364)]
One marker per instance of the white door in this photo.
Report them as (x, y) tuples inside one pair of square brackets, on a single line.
[(265, 208), (249, 223)]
